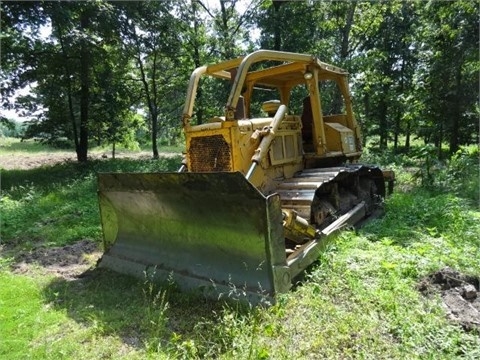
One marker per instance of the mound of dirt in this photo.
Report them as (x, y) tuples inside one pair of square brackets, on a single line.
[(460, 295), (68, 261)]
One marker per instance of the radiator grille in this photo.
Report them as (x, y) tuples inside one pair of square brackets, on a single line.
[(210, 153)]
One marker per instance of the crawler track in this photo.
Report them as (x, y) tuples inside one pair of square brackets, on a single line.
[(321, 195)]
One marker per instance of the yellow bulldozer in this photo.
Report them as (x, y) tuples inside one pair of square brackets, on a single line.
[(262, 188)]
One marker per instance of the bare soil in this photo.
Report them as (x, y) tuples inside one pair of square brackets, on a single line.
[(67, 262), (25, 161), (459, 293)]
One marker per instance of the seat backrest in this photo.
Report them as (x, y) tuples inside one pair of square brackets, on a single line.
[(271, 107)]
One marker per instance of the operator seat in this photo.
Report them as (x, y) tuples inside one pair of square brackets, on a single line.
[(271, 107)]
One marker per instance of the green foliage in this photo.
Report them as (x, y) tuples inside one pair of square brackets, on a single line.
[(426, 156), (451, 83), (461, 175), (11, 128), (65, 222), (458, 175), (151, 40), (156, 306), (411, 215)]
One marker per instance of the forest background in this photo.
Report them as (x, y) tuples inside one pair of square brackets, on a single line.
[(90, 73)]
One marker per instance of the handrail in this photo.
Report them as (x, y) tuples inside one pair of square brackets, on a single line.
[(191, 93)]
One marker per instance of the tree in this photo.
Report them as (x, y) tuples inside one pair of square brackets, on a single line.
[(195, 50), (74, 70), (450, 36), (150, 35), (290, 25), (385, 66), (230, 26), (114, 117), (64, 69), (20, 24)]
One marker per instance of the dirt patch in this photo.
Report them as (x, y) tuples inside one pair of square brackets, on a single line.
[(68, 261), (25, 161), (460, 295), (21, 161)]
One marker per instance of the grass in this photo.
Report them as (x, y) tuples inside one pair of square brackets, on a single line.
[(15, 146), (40, 323), (34, 146), (59, 202), (359, 301)]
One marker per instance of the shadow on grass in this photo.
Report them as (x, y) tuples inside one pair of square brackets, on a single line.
[(144, 315), (65, 261)]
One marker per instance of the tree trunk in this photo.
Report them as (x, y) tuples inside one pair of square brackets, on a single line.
[(407, 137), (154, 134), (383, 123), (150, 96), (82, 148), (456, 112), (439, 140), (345, 31), (68, 75), (155, 126), (227, 45), (338, 100), (277, 38), (396, 131), (366, 102), (398, 115)]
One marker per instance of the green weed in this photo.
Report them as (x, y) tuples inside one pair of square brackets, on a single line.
[(156, 306)]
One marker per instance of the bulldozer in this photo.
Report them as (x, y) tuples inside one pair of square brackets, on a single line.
[(264, 184)]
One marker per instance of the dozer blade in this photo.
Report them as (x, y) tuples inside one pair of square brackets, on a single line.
[(213, 231)]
